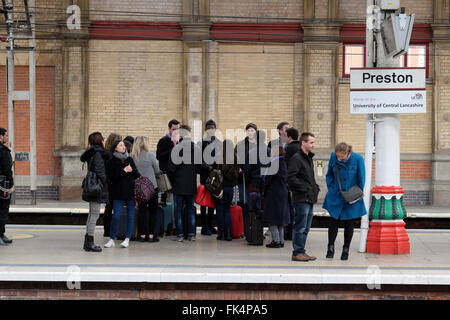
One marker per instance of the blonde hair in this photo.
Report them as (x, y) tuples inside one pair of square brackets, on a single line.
[(343, 148), (142, 143)]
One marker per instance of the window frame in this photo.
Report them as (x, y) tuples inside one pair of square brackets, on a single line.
[(427, 56), (344, 45)]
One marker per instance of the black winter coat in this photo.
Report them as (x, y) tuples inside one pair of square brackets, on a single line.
[(291, 149), (206, 168), (163, 150), (99, 158), (276, 209), (184, 175), (301, 180), (122, 183), (6, 164)]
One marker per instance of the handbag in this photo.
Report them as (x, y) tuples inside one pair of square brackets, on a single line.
[(204, 197), (353, 195), (163, 183), (214, 183), (92, 186)]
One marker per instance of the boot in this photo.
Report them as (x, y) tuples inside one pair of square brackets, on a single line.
[(345, 252), (89, 244), (330, 252), (220, 235), (228, 235)]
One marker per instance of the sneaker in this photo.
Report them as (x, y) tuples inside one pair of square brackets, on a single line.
[(125, 243), (191, 238), (178, 238), (300, 257), (110, 244), (206, 231), (6, 240), (213, 230)]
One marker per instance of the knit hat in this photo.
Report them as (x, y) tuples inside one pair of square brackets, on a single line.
[(210, 123), (114, 145), (130, 139)]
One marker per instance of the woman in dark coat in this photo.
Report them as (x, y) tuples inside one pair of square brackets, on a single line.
[(96, 157), (108, 213), (276, 210), (122, 172)]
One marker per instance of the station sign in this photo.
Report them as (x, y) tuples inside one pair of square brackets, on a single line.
[(387, 90)]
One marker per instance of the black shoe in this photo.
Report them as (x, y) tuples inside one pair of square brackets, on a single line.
[(5, 240), (154, 239), (220, 235), (212, 230), (274, 244), (206, 231), (228, 235), (281, 244), (345, 252), (89, 244), (330, 252)]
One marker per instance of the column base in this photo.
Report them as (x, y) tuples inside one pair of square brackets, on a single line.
[(388, 237)]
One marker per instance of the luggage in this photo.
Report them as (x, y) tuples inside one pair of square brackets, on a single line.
[(255, 228), (122, 227), (237, 222), (144, 190)]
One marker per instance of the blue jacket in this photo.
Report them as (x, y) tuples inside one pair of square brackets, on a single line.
[(351, 172)]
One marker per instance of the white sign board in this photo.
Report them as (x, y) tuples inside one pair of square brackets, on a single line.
[(390, 90)]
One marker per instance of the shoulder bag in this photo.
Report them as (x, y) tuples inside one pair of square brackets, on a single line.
[(353, 195)]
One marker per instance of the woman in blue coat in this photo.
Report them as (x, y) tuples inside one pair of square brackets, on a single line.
[(352, 172), (276, 210)]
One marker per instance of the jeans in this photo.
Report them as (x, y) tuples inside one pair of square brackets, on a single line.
[(302, 223), (118, 206), (186, 204), (223, 209)]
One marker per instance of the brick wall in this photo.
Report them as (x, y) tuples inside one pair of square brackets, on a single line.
[(136, 10), (255, 86), (223, 10), (47, 164), (135, 93)]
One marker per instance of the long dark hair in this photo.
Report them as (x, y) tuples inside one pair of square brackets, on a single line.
[(96, 139)]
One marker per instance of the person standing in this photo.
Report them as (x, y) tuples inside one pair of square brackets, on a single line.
[(184, 165), (149, 220), (305, 191), (351, 172), (230, 171), (282, 139), (163, 152), (96, 156), (122, 172), (108, 213), (276, 210), (209, 143), (7, 183)]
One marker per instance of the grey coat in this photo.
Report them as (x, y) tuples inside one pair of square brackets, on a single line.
[(148, 166)]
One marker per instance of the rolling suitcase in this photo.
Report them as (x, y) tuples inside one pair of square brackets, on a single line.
[(167, 223), (237, 222), (255, 235)]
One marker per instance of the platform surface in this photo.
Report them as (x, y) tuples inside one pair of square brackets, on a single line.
[(54, 253)]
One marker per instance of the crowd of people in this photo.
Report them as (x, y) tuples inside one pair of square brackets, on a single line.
[(280, 172)]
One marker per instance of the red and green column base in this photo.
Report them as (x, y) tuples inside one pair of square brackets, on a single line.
[(387, 233)]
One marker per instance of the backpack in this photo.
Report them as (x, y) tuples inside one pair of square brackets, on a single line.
[(214, 183), (144, 190)]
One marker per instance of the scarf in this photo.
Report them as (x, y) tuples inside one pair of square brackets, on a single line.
[(121, 156)]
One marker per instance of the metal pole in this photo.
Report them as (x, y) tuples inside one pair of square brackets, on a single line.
[(369, 130), (32, 71), (10, 70)]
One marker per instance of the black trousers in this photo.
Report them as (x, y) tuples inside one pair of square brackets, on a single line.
[(206, 219), (4, 210), (149, 220), (349, 226)]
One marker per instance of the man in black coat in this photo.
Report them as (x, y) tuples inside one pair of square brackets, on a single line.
[(302, 183), (6, 175), (291, 148), (184, 165), (209, 142)]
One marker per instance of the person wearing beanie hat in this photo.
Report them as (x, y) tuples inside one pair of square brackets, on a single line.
[(209, 144)]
